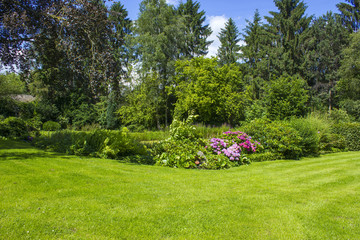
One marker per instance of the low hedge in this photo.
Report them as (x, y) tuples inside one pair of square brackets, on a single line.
[(350, 132), (97, 143)]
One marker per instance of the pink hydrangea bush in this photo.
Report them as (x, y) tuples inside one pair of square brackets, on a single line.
[(234, 145)]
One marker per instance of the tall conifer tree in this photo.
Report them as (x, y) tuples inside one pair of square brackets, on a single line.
[(288, 28), (228, 51), (196, 32)]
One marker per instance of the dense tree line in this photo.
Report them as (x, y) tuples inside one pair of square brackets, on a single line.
[(88, 63)]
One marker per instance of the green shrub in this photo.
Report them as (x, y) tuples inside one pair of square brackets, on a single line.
[(51, 126), (350, 133), (277, 137), (14, 127)]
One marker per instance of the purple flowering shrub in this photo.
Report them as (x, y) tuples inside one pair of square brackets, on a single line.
[(234, 145)]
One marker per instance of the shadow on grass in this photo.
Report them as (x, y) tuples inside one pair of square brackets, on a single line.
[(10, 144)]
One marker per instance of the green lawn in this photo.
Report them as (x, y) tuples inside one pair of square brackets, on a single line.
[(45, 195)]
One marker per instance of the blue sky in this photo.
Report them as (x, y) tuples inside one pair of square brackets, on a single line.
[(219, 11)]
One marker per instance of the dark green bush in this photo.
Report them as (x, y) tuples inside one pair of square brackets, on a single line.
[(51, 126), (277, 137), (351, 134), (14, 127)]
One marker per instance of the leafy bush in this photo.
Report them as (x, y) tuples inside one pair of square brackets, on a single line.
[(286, 97), (277, 137), (51, 126), (351, 134), (98, 143), (13, 127)]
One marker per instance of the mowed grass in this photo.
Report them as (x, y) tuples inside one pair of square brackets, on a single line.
[(45, 195)]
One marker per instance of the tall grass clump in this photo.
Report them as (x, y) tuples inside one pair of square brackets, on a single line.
[(211, 131), (148, 136)]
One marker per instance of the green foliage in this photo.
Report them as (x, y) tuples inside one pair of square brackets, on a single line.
[(85, 114), (349, 72), (46, 111), (10, 83), (285, 97), (13, 127), (216, 94), (264, 157), (277, 137), (98, 143), (142, 106), (328, 141), (351, 133), (340, 115), (51, 126), (208, 132), (327, 39), (352, 107)]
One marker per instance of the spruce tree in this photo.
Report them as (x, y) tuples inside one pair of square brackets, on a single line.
[(253, 51), (196, 33), (288, 29), (228, 51)]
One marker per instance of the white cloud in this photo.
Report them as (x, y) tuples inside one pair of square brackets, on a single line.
[(172, 2), (216, 24)]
